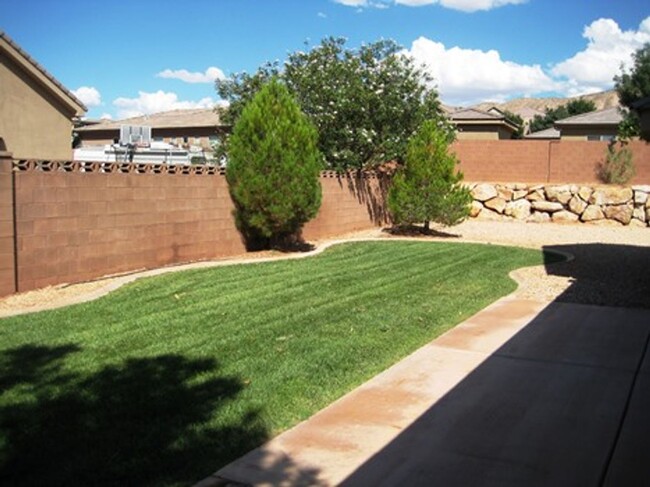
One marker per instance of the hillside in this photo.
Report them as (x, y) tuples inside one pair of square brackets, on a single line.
[(527, 107)]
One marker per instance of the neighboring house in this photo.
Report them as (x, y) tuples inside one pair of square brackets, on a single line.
[(546, 134), (477, 124), (598, 125), (36, 111), (196, 128), (642, 107)]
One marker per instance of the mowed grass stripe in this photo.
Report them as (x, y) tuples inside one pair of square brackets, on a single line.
[(172, 377)]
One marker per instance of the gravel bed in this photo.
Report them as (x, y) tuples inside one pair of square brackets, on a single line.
[(610, 265)]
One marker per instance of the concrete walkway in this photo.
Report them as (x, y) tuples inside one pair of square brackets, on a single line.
[(523, 393)]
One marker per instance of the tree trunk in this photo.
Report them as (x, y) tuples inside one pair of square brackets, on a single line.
[(426, 226)]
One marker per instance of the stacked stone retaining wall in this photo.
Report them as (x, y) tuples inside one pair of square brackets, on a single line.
[(566, 203)]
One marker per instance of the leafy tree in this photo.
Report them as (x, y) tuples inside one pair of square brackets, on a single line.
[(365, 102), (428, 186), (552, 115), (274, 166), (633, 86)]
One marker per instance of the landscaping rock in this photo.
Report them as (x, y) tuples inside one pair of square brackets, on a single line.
[(519, 186), (547, 206), (564, 217), (620, 213), (475, 209), (647, 214), (536, 195), (585, 193), (518, 194), (519, 209), (484, 192), (487, 214), (539, 217), (606, 223), (574, 189), (638, 223), (611, 196), (497, 204), (577, 205), (640, 197), (592, 213), (639, 214), (644, 188), (560, 194), (505, 193)]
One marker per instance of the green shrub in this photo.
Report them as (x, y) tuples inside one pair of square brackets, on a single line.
[(428, 186), (273, 168), (618, 166)]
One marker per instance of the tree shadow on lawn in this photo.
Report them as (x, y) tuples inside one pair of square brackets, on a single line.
[(138, 423), (417, 231)]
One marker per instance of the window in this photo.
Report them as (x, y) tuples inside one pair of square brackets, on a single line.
[(599, 138)]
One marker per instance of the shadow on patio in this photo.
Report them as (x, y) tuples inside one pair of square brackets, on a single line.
[(563, 402)]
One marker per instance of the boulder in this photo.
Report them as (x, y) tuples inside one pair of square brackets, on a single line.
[(489, 215), (639, 214), (606, 223), (620, 213), (539, 217), (592, 213), (536, 195), (475, 209), (564, 217), (611, 196), (505, 193), (585, 193), (518, 194), (519, 209), (519, 186), (560, 194), (497, 204), (640, 197), (647, 214), (574, 189), (547, 206), (484, 192), (577, 205), (644, 188), (638, 223)]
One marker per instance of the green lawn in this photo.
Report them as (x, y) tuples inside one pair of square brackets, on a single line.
[(167, 379)]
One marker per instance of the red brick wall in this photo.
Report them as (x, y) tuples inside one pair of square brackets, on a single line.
[(536, 161), (76, 226), (350, 203), (7, 281)]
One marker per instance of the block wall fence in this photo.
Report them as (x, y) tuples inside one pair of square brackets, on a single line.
[(66, 222)]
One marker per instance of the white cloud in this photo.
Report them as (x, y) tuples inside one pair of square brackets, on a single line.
[(322, 15), (106, 116), (466, 76), (209, 76), (462, 5), (159, 101), (88, 95), (607, 48)]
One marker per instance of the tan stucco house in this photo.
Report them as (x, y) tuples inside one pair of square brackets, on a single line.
[(36, 111), (594, 126), (477, 124), (198, 127)]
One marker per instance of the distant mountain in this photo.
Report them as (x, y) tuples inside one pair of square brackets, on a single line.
[(527, 108)]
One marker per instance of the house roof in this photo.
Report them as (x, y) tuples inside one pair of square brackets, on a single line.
[(609, 116), (40, 74), (549, 133), (193, 117), (474, 116)]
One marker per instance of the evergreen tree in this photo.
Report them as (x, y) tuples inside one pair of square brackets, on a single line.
[(631, 86), (273, 169), (428, 186)]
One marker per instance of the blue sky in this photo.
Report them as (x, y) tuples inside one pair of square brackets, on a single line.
[(125, 57)]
